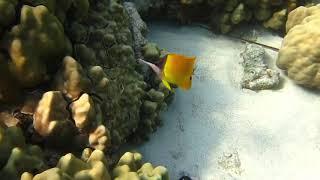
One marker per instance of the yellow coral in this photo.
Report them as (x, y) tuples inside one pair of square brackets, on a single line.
[(36, 45), (296, 16), (70, 167), (300, 54), (83, 111)]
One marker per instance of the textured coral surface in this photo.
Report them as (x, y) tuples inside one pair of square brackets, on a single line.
[(69, 79), (299, 54)]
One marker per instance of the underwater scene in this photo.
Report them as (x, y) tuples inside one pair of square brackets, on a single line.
[(159, 89)]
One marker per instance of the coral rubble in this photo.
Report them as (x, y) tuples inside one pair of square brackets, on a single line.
[(257, 75)]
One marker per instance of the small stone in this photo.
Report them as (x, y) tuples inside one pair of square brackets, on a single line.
[(257, 76)]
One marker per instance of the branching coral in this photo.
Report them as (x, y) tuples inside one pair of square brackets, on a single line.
[(83, 112), (41, 31), (16, 156), (98, 95), (71, 79), (92, 167), (278, 20), (130, 166), (51, 118), (78, 8), (9, 92), (100, 138)]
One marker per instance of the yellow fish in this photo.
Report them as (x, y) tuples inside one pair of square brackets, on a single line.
[(176, 69)]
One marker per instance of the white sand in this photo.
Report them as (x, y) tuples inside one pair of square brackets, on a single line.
[(218, 131)]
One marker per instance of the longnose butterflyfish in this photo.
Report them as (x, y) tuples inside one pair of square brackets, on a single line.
[(175, 69)]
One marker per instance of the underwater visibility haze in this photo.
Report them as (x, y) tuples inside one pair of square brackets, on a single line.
[(159, 89)]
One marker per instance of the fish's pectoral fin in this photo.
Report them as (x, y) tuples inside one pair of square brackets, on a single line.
[(166, 84)]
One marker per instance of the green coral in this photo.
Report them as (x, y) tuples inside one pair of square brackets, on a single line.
[(9, 92), (224, 15), (71, 79), (7, 12), (79, 8), (41, 31), (151, 52), (122, 107), (51, 119), (130, 166), (91, 167), (105, 48), (239, 14), (278, 20), (16, 156)]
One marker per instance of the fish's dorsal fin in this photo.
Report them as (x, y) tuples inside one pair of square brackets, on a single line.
[(180, 56)]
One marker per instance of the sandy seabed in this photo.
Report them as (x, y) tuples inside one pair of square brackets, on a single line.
[(219, 131)]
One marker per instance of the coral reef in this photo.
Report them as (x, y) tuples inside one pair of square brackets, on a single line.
[(7, 12), (38, 30), (146, 7), (299, 54), (92, 165), (151, 52), (9, 92), (298, 15), (138, 27), (130, 166), (71, 79), (75, 63), (78, 9), (17, 156), (51, 119), (257, 75), (277, 21), (221, 15)]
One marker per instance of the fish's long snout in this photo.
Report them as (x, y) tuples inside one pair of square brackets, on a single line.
[(155, 68)]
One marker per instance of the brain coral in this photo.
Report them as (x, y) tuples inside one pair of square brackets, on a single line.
[(299, 14), (299, 54)]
